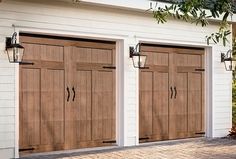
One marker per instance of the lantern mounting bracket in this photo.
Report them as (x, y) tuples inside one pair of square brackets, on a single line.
[(8, 42), (131, 51)]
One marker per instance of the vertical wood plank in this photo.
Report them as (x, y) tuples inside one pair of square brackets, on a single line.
[(161, 104), (146, 104), (52, 125), (84, 105), (195, 103), (179, 109), (29, 107)]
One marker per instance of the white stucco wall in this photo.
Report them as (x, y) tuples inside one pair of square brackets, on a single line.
[(128, 27)]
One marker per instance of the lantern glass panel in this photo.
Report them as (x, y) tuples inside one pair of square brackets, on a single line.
[(10, 54), (19, 52), (136, 62), (228, 65), (142, 61)]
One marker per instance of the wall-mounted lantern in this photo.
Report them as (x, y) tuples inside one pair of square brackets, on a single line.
[(228, 60), (14, 50), (139, 60)]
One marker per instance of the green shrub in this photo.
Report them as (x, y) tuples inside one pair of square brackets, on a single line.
[(234, 102), (234, 114)]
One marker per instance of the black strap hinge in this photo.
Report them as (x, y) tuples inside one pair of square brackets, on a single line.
[(109, 141), (27, 149), (26, 63), (143, 68), (200, 69), (200, 133), (109, 67), (144, 138)]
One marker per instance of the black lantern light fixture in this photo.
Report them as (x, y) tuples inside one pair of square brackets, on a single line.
[(228, 60), (139, 60), (14, 50)]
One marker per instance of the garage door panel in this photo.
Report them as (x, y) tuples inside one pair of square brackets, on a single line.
[(83, 105), (52, 53), (95, 56), (160, 104), (102, 56), (195, 112), (180, 105), (52, 108), (30, 98), (157, 58), (103, 105), (82, 55), (32, 51), (146, 103), (188, 60)]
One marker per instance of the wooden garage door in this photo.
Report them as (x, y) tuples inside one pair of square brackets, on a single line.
[(171, 94), (67, 98)]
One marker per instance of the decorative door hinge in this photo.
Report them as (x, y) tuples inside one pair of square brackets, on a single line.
[(26, 63), (144, 138), (27, 149), (200, 69), (143, 68), (200, 133), (109, 141), (109, 67)]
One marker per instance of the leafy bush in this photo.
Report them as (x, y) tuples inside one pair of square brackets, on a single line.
[(234, 103), (232, 133), (234, 114)]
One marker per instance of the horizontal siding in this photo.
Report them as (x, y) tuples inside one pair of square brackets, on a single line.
[(7, 144), (7, 71), (7, 103), (10, 119), (7, 79), (222, 95), (7, 95), (7, 98), (7, 111), (62, 18), (8, 128), (7, 153)]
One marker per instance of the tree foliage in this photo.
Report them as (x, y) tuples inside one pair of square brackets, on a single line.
[(199, 12)]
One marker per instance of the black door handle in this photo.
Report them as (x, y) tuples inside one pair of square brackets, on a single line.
[(175, 92), (68, 94), (171, 95), (73, 89)]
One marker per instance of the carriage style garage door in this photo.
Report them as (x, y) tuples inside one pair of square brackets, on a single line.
[(171, 93), (67, 98)]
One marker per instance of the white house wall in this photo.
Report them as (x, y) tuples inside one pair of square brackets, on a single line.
[(127, 26)]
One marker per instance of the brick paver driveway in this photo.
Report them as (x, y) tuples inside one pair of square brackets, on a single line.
[(185, 149)]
